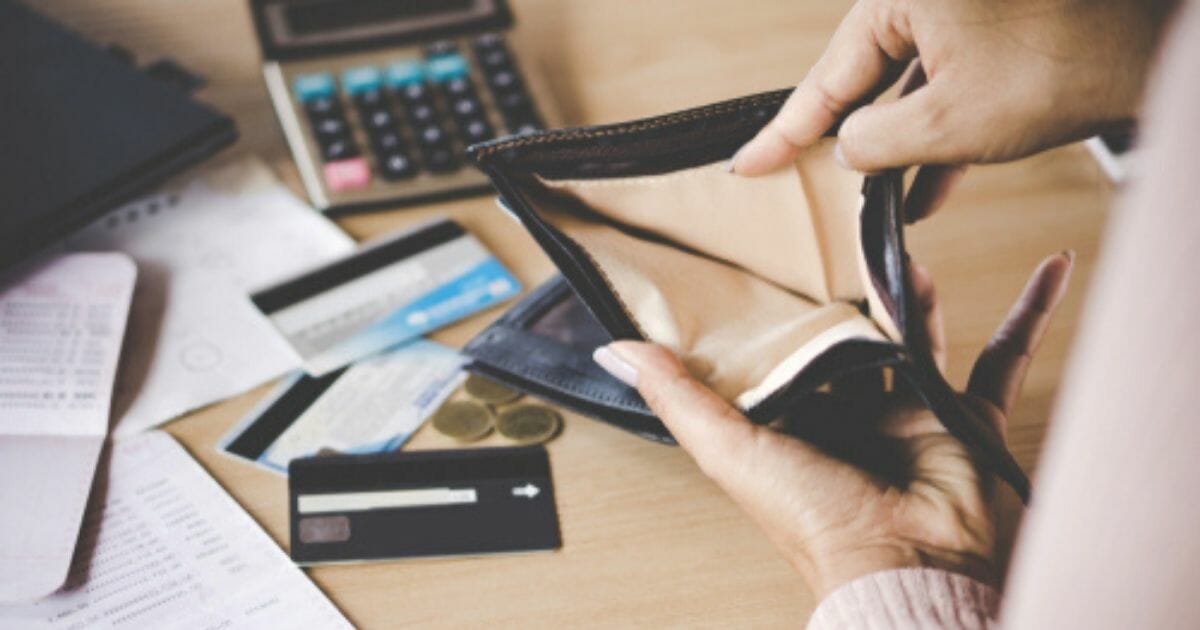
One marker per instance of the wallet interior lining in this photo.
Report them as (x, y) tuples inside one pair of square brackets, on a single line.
[(747, 279)]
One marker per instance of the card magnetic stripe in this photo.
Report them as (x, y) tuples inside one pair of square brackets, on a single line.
[(266, 427), (331, 276), (343, 473)]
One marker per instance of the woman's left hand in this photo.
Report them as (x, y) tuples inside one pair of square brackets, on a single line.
[(875, 482)]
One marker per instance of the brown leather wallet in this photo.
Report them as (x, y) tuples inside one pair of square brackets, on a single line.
[(766, 287)]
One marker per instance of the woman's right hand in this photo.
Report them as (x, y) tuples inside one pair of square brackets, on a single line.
[(1006, 78)]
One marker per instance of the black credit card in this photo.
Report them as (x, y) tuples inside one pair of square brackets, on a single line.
[(347, 508)]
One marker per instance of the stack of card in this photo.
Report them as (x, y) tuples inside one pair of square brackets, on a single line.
[(369, 381)]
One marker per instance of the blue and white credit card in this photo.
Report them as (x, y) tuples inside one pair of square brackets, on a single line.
[(385, 293), (373, 406)]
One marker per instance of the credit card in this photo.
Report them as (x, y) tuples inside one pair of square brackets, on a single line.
[(373, 406), (385, 293), (421, 503)]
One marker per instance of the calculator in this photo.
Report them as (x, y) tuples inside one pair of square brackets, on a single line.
[(379, 99)]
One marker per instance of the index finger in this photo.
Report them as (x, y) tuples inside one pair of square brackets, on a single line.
[(857, 64)]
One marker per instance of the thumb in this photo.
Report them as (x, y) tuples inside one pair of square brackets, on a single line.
[(918, 128), (702, 422)]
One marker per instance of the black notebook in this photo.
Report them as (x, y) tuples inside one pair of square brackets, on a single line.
[(82, 131)]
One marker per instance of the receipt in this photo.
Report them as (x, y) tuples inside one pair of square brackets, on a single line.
[(163, 546), (61, 325), (202, 244), (372, 406)]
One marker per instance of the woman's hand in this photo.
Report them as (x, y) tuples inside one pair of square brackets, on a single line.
[(1006, 78), (876, 482)]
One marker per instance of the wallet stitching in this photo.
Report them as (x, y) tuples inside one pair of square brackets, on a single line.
[(657, 123)]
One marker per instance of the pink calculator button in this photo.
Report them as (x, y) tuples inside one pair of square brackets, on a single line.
[(347, 174)]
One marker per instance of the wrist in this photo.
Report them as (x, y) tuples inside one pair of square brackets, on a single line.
[(836, 570)]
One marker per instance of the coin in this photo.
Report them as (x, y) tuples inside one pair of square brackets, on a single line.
[(489, 391), (528, 424), (462, 420)]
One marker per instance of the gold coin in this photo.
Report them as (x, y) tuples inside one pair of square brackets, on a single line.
[(529, 424), (489, 391), (462, 420)]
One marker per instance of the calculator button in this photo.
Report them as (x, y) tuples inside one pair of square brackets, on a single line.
[(415, 92), (431, 135), (338, 149), (313, 86), (494, 60), (407, 72), (440, 160), (387, 141), (361, 79), (378, 120), (421, 114), (526, 128), (466, 107), (476, 130), (442, 47), (370, 99), (347, 174), (330, 127), (458, 86), (322, 106), (396, 166), (504, 80), (446, 67), (489, 40), (514, 102)]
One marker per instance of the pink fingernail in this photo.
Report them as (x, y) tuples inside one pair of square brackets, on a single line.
[(616, 366), (732, 163)]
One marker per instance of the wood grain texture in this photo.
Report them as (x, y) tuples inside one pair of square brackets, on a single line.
[(648, 541)]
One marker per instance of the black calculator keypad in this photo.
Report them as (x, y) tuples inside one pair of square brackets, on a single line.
[(415, 114), (508, 91)]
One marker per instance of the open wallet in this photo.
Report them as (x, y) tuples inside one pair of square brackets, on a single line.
[(765, 287)]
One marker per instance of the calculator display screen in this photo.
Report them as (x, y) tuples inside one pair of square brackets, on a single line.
[(323, 15), (309, 28)]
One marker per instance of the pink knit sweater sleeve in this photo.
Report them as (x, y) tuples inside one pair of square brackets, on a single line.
[(908, 599)]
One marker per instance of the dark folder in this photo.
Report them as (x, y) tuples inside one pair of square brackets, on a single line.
[(82, 131)]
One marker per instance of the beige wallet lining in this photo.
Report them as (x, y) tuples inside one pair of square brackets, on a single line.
[(747, 279)]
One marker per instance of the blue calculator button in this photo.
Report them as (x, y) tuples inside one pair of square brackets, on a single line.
[(404, 73), (446, 67), (313, 86), (361, 79)]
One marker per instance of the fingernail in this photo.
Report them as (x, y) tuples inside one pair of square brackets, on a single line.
[(732, 163), (1070, 254), (840, 157), (615, 365)]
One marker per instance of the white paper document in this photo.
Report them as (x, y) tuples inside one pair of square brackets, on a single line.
[(61, 325), (164, 546), (202, 245)]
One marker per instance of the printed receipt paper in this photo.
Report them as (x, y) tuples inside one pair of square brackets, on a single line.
[(201, 245), (61, 325), (164, 546)]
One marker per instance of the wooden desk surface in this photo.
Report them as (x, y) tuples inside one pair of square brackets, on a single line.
[(648, 541)]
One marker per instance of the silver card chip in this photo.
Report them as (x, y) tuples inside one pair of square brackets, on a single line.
[(324, 529)]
